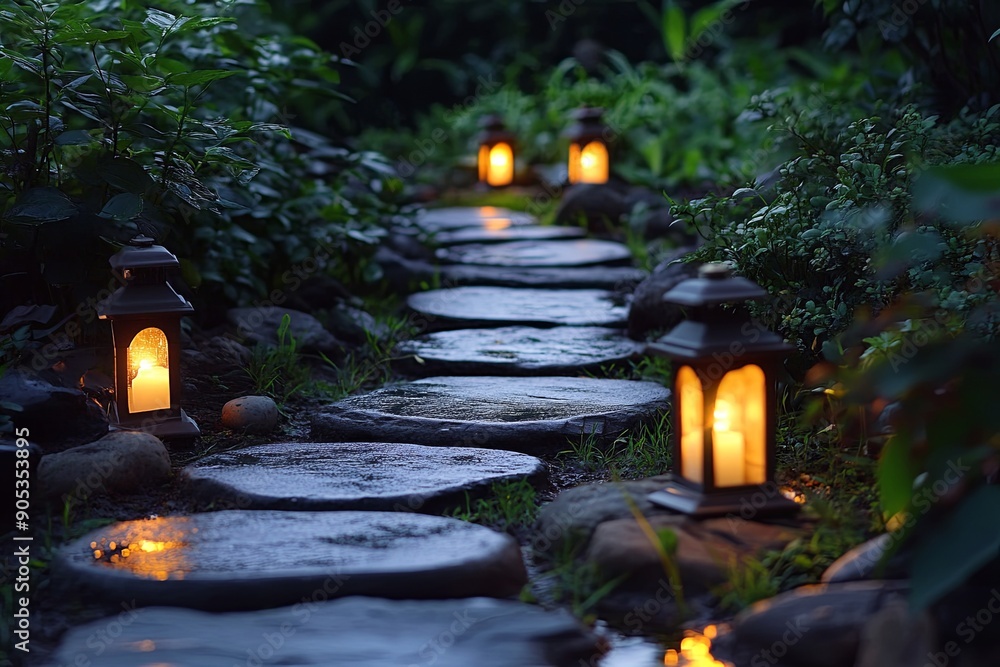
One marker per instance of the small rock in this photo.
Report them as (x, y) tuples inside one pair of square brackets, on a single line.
[(56, 417), (261, 326), (648, 312), (124, 462), (250, 414), (813, 626)]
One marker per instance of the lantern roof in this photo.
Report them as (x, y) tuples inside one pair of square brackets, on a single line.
[(715, 285), (143, 253), (588, 125)]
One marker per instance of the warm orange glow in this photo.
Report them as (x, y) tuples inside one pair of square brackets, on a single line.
[(692, 430), (496, 224), (695, 651), (148, 371), (738, 429), (154, 549), (496, 164), (589, 164)]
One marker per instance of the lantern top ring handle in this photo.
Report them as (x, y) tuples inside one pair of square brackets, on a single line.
[(715, 271)]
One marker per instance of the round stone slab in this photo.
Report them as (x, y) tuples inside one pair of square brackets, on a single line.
[(352, 476), (517, 351), (481, 217), (580, 252), (526, 414), (234, 560), (524, 233), (356, 631), (496, 306)]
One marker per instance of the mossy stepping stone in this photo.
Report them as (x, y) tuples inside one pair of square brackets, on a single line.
[(579, 252), (352, 632), (499, 306), (235, 560), (526, 414), (463, 217), (523, 233), (352, 476), (516, 351)]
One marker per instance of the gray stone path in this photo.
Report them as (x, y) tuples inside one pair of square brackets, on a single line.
[(353, 476), (526, 414), (234, 559), (352, 632), (464, 217), (516, 351), (522, 233), (499, 306), (565, 253)]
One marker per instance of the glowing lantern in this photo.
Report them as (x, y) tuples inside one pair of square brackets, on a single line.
[(496, 153), (724, 407), (589, 161), (145, 314)]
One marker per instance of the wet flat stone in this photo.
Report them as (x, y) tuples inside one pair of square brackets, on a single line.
[(497, 306), (516, 351), (579, 252), (354, 632), (463, 217), (526, 414), (352, 476), (523, 233), (234, 560)]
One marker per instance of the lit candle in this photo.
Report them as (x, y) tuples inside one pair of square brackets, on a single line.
[(594, 163), (691, 456), (501, 169), (729, 449), (150, 389)]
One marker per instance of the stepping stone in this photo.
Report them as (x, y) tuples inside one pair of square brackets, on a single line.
[(580, 252), (403, 273), (517, 351), (534, 415), (462, 217), (357, 631), (525, 233), (235, 560), (498, 306), (352, 476)]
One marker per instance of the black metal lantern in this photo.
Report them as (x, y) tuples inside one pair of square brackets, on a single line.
[(589, 158), (496, 152), (145, 314), (723, 400)]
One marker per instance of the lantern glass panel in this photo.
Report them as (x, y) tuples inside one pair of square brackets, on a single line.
[(739, 428), (500, 167), (588, 164), (148, 371), (692, 424)]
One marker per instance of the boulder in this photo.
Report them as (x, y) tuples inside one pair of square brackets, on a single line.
[(353, 324), (600, 205), (260, 325), (250, 414), (123, 462), (56, 417), (813, 626), (648, 312)]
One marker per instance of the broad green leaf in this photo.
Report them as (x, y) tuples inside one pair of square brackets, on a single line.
[(961, 193), (965, 541), (896, 472), (706, 16), (210, 22), (200, 77), (144, 84), (24, 110), (74, 138), (674, 30), (122, 207), (125, 174), (40, 205)]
